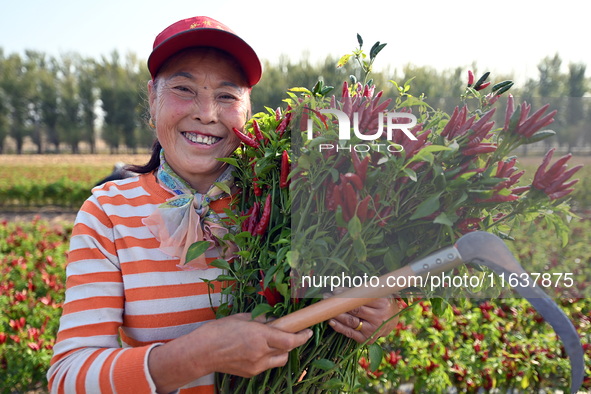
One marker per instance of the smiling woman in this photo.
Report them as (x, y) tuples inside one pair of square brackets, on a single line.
[(129, 280)]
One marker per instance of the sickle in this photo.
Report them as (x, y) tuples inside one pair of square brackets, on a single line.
[(475, 247)]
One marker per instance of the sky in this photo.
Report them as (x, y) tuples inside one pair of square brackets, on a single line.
[(502, 36)]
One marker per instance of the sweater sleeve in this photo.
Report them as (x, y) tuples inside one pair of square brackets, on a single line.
[(88, 356)]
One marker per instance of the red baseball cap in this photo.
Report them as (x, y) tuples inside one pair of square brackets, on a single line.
[(202, 31)]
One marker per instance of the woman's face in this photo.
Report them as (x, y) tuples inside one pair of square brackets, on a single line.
[(196, 100)]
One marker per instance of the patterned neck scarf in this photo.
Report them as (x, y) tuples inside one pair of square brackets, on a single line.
[(187, 218)]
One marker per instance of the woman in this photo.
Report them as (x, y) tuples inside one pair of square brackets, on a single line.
[(128, 282)]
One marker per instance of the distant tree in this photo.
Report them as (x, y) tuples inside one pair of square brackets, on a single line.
[(577, 130), (69, 120), (120, 86), (17, 87), (3, 104), (88, 93), (49, 103), (35, 64), (3, 117), (551, 79)]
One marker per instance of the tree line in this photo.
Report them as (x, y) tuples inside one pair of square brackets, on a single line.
[(72, 101)]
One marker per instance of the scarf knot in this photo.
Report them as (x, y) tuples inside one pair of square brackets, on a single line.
[(187, 218)]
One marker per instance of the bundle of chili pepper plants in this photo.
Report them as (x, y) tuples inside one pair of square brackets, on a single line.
[(315, 204)]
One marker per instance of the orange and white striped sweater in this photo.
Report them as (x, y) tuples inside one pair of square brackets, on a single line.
[(124, 296)]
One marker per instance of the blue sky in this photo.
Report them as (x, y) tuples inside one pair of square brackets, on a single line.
[(502, 36)]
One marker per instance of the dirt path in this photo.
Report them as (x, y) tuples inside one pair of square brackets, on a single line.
[(49, 215)]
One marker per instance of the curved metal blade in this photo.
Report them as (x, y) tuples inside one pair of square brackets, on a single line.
[(487, 249)]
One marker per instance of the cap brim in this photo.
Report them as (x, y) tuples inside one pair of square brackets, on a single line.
[(205, 37)]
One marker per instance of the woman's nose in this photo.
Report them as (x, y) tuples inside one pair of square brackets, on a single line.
[(205, 110)]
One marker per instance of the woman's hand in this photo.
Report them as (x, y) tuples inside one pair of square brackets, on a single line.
[(252, 347), (361, 323), (234, 345)]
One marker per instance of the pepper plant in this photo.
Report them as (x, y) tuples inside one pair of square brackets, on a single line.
[(313, 203)]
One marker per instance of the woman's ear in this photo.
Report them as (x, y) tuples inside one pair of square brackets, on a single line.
[(152, 97)]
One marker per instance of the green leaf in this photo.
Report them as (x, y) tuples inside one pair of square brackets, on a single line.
[(291, 257), (196, 250), (220, 263), (540, 135), (439, 306), (359, 40), (333, 384), (343, 60), (324, 364), (427, 207), (339, 261), (376, 353), (360, 249), (229, 160), (222, 278), (261, 309), (223, 187), (411, 174), (300, 90), (354, 227), (525, 382), (392, 258), (443, 219), (426, 154)]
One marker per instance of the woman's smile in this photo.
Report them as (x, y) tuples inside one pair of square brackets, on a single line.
[(201, 139)]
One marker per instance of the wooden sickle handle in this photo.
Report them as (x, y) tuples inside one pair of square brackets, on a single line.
[(342, 303), (440, 261)]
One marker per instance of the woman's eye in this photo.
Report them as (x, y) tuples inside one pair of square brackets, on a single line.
[(182, 89), (227, 97)]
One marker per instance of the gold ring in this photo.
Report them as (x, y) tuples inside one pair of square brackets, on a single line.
[(358, 328)]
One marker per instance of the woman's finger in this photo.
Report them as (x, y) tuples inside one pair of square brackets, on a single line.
[(360, 335)]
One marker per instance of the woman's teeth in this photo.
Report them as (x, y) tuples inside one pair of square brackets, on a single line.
[(201, 139)]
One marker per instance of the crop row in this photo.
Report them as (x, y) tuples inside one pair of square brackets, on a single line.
[(32, 279), (500, 343)]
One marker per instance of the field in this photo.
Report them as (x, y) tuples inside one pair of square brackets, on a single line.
[(477, 344), (50, 183)]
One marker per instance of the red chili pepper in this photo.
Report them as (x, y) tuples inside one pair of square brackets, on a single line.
[(482, 86), (354, 179), (262, 225), (362, 171), (320, 116), (362, 209), (256, 188), (246, 221), (283, 125), (470, 78), (257, 132), (355, 160), (285, 167), (246, 139), (480, 149), (350, 200), (336, 196), (384, 213), (329, 202), (253, 218)]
